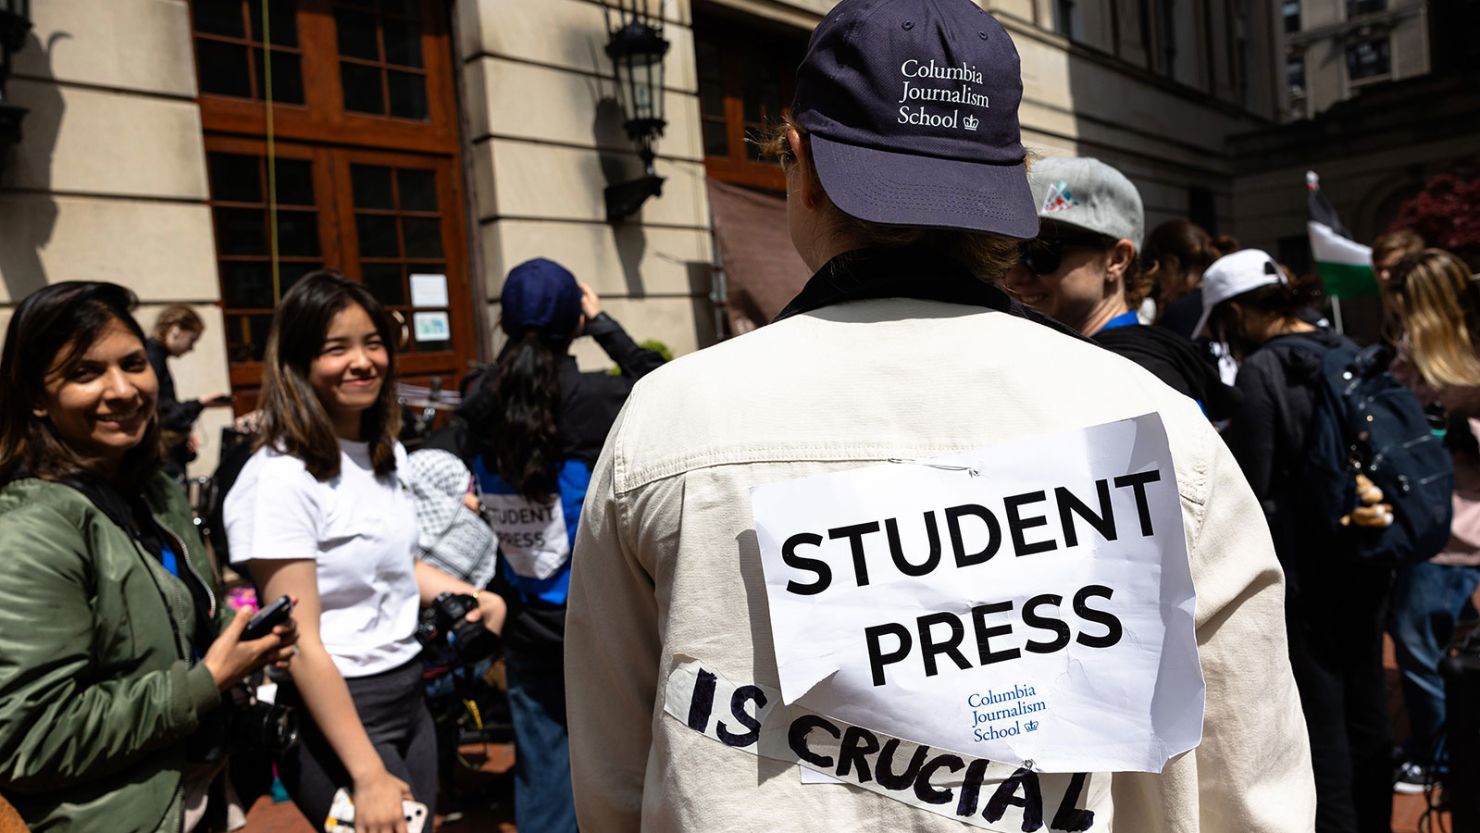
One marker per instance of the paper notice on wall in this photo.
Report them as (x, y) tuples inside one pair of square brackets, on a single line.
[(1027, 602), (429, 290), (432, 326)]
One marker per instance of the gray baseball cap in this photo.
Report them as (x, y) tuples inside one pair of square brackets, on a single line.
[(1089, 194)]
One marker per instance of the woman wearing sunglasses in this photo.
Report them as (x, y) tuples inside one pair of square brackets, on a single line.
[(1084, 270)]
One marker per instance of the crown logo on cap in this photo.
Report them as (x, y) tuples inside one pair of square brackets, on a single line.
[(971, 122)]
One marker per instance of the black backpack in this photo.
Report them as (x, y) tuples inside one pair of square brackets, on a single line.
[(1369, 423)]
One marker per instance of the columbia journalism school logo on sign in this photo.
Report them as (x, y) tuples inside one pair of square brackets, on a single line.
[(958, 91), (1059, 198)]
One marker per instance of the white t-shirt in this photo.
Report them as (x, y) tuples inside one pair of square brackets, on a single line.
[(361, 531)]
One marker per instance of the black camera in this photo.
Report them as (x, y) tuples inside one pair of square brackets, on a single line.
[(244, 725), (444, 626)]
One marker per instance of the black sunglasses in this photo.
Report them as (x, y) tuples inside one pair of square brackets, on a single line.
[(1044, 255)]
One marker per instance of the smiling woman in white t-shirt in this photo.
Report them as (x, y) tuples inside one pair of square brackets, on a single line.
[(321, 512)]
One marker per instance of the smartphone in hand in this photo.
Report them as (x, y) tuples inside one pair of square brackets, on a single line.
[(268, 618)]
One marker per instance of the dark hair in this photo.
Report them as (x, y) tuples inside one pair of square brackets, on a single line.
[(512, 418), (1285, 300), (294, 421), (1174, 258), (51, 331)]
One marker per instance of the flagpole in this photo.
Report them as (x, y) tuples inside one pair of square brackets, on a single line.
[(1336, 313)]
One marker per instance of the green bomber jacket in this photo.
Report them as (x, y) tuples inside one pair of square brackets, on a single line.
[(98, 690)]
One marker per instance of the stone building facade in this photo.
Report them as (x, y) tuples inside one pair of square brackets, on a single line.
[(455, 138)]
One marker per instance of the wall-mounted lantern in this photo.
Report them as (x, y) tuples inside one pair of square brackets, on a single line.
[(15, 22), (637, 48)]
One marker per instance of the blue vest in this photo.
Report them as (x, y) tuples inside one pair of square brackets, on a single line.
[(535, 539)]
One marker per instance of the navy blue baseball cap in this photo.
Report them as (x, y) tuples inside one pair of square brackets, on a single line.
[(541, 295), (912, 109)]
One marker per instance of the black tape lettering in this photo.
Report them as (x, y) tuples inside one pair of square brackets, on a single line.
[(877, 659), (855, 534), (1138, 483), (971, 788), (800, 562), (737, 708), (796, 737), (1113, 630), (958, 544), (1069, 505), (1033, 619), (857, 742), (1007, 793), (984, 634), (927, 792), (929, 648), (1070, 818), (702, 702), (896, 549), (887, 779), (1016, 523)]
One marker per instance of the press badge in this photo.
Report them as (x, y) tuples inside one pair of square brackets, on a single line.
[(1029, 603)]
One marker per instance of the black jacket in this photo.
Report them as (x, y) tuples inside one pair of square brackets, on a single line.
[(174, 415), (1174, 360)]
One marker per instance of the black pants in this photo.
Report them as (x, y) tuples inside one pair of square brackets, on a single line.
[(1336, 654), (394, 712)]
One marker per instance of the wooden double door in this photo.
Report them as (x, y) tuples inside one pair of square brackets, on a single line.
[(365, 169)]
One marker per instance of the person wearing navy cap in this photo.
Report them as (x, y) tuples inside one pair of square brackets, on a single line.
[(908, 196), (536, 424)]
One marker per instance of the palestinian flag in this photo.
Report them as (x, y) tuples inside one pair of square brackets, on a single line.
[(1344, 264)]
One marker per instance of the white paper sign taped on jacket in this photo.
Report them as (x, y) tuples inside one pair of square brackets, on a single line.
[(535, 537), (1029, 602)]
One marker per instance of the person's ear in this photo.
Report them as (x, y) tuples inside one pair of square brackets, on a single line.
[(811, 191), (1118, 259)]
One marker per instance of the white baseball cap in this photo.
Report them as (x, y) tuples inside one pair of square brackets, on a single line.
[(1232, 275)]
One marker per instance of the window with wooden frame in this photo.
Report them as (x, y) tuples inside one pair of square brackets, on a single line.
[(747, 76), (367, 176)]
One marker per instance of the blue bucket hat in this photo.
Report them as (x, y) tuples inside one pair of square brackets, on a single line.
[(541, 295), (912, 109)]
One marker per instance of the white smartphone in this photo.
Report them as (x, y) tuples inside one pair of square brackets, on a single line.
[(342, 814)]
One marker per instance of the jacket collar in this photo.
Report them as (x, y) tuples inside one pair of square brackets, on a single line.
[(907, 272)]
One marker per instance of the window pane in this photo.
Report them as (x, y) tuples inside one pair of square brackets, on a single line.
[(246, 337), (356, 34), (294, 182), (716, 138), (384, 282), (287, 78), (377, 235), (283, 18), (298, 233), (711, 98), (234, 178), (1367, 59), (247, 285), (418, 190), (372, 186), (402, 7), (362, 90), (753, 134), (402, 42), (218, 17), (408, 95), (241, 231), (223, 68), (423, 236)]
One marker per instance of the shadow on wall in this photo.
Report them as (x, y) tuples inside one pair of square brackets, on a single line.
[(28, 210)]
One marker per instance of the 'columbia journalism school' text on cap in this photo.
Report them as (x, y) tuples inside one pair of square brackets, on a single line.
[(912, 109)]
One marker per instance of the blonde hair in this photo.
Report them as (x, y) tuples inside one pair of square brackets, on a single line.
[(1438, 302), (177, 315), (1403, 241), (988, 256)]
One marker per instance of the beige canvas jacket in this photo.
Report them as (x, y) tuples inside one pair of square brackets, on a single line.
[(666, 564)]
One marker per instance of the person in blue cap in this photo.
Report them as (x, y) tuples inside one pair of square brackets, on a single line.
[(907, 194), (536, 424)]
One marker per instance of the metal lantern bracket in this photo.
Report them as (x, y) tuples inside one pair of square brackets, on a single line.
[(15, 22), (637, 49)]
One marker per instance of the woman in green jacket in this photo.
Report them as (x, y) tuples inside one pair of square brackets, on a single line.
[(113, 647)]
